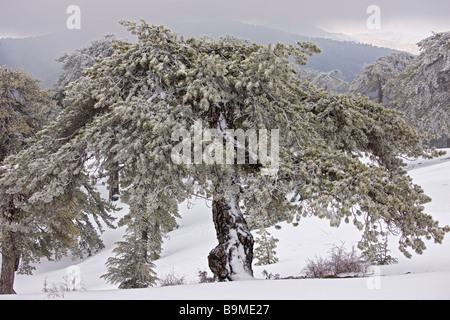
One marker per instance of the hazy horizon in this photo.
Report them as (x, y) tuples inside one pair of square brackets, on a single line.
[(22, 18)]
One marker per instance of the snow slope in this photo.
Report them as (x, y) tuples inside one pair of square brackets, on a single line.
[(186, 249)]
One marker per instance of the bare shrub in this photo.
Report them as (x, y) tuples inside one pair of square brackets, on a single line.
[(56, 290), (339, 262), (172, 279), (320, 268)]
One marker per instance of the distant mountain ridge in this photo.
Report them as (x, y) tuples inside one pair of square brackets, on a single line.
[(37, 55)]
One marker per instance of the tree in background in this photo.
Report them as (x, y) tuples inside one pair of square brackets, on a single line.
[(133, 107), (373, 78), (422, 90), (29, 232), (265, 251), (24, 109), (73, 64), (132, 265), (379, 254), (332, 81)]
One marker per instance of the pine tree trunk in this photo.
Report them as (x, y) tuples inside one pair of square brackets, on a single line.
[(379, 90), (232, 258), (10, 264), (114, 190), (10, 255)]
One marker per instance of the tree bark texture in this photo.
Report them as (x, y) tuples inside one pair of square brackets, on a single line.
[(232, 258), (10, 253), (379, 90), (114, 189), (10, 264)]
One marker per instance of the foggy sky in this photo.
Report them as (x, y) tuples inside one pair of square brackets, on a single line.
[(35, 17)]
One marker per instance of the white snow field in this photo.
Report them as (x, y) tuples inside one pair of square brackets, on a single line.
[(186, 249)]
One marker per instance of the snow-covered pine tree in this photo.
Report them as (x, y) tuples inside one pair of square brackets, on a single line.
[(379, 254), (332, 81), (152, 212), (422, 90), (373, 78), (24, 109), (265, 251), (30, 230), (132, 266), (73, 66), (130, 104), (74, 63)]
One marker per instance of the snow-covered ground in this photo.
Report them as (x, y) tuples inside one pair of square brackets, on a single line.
[(186, 249)]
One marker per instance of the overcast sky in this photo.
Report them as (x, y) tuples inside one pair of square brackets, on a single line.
[(33, 17)]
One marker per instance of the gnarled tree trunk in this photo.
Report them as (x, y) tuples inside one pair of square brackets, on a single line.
[(232, 258)]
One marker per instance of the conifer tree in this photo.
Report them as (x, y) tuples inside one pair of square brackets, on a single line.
[(332, 81), (151, 214), (422, 90), (131, 267), (133, 107), (24, 109), (73, 66), (27, 231), (74, 63), (379, 254), (265, 251), (373, 78)]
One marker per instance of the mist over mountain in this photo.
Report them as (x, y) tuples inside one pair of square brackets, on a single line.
[(36, 55), (347, 56)]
